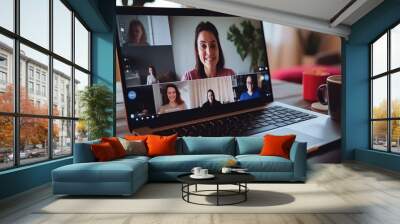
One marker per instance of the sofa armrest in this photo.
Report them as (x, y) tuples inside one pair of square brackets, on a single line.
[(298, 155), (83, 152)]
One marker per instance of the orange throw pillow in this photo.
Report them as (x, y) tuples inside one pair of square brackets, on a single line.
[(116, 145), (136, 137), (161, 145), (103, 152), (275, 145)]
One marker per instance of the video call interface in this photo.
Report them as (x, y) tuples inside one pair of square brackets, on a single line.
[(176, 64)]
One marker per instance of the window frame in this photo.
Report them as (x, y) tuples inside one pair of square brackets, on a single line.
[(388, 74), (16, 114)]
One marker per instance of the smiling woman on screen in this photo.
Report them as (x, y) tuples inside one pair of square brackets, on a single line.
[(210, 60), (173, 100)]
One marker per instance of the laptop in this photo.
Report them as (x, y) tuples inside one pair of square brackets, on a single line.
[(201, 73)]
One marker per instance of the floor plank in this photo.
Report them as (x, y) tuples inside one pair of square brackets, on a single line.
[(376, 190)]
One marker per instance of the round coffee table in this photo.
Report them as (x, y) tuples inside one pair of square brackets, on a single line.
[(238, 179)]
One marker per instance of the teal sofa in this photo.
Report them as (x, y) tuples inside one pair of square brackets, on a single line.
[(125, 176)]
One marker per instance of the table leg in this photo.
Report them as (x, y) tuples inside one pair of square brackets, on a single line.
[(196, 188), (217, 194), (245, 191), (188, 190)]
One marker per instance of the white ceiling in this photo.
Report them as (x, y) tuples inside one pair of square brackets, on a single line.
[(321, 9), (325, 16)]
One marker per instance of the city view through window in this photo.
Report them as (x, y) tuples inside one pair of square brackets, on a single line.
[(385, 91), (39, 114)]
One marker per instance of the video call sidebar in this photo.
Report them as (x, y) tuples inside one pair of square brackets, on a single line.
[(141, 105)]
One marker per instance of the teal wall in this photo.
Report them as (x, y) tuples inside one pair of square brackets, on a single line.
[(355, 126), (380, 159), (103, 52), (24, 178), (99, 15)]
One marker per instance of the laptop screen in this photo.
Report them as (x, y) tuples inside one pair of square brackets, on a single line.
[(181, 64)]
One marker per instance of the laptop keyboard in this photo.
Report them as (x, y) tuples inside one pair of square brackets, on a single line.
[(243, 124)]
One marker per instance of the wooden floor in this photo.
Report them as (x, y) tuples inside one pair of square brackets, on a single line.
[(378, 189)]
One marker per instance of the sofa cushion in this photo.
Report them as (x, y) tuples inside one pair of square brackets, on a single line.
[(249, 145), (257, 163), (103, 152), (134, 147), (112, 171), (277, 145), (116, 145), (185, 163), (208, 145), (161, 145)]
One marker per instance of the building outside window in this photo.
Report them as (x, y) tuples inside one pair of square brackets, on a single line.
[(385, 93), (56, 130)]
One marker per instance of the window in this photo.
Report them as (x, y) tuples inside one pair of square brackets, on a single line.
[(34, 21), (81, 81), (385, 94), (62, 74), (62, 29), (81, 45), (30, 88), (6, 142), (30, 72), (6, 90), (3, 78), (3, 72), (38, 89), (45, 131), (62, 140), (3, 61), (7, 14), (37, 74), (33, 147), (44, 91)]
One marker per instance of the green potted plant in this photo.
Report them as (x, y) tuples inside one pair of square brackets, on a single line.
[(96, 102), (249, 41), (310, 42)]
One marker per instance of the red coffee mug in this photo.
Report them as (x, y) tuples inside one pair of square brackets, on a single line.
[(312, 79)]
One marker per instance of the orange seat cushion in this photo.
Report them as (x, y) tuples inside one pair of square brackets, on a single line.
[(103, 152), (161, 145), (275, 145), (136, 137), (116, 145)]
